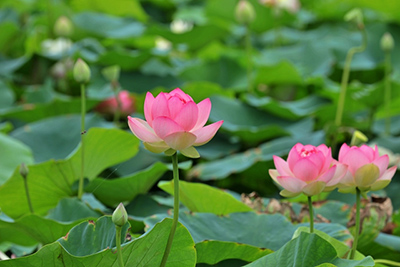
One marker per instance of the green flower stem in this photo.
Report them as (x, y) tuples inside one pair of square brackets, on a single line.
[(118, 230), (249, 60), (387, 262), (83, 113), (310, 210), (387, 95), (27, 195), (50, 18), (176, 209), (358, 206), (345, 77), (115, 87)]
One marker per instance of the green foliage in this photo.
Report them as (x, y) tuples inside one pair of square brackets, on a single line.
[(308, 250), (203, 198), (12, 155), (92, 243), (112, 192), (100, 142)]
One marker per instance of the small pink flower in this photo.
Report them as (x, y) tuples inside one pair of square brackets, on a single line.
[(110, 105), (308, 169), (366, 169), (174, 122)]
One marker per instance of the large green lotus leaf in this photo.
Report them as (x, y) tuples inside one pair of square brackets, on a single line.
[(201, 90), (139, 83), (107, 26), (334, 211), (89, 49), (8, 30), (336, 9), (39, 111), (127, 60), (290, 110), (199, 197), (71, 209), (120, 8), (142, 160), (259, 230), (13, 153), (196, 38), (379, 126), (212, 252), (311, 59), (281, 73), (225, 71), (394, 109), (56, 137), (112, 192), (219, 147), (219, 169), (373, 96), (334, 230), (34, 227), (91, 237), (146, 250), (145, 205), (341, 248), (10, 235), (308, 250), (8, 66), (104, 148), (157, 67), (6, 127), (7, 96), (249, 123), (48, 182), (53, 179), (385, 246)]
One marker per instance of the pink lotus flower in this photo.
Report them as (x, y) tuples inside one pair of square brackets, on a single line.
[(309, 170), (366, 169), (174, 122), (110, 105)]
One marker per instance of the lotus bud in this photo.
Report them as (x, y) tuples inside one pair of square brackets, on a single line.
[(63, 27), (387, 42), (358, 138), (81, 71), (355, 15), (111, 73), (245, 12), (120, 217), (23, 170)]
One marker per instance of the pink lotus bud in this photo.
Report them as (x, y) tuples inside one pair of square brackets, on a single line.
[(63, 27), (110, 105), (245, 12), (292, 6), (174, 122), (366, 169), (308, 169)]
